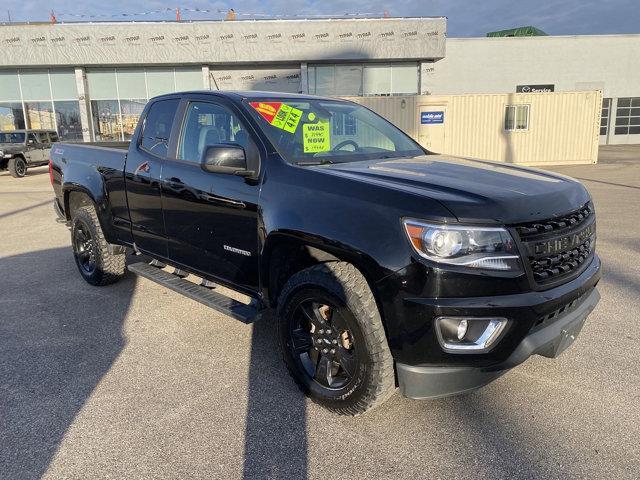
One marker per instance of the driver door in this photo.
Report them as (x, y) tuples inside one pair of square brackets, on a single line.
[(211, 218)]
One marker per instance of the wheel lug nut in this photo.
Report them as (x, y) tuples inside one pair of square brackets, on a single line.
[(325, 350), (328, 332), (333, 350), (321, 332), (319, 340), (335, 342)]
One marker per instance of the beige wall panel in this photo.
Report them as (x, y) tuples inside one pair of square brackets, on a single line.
[(562, 127)]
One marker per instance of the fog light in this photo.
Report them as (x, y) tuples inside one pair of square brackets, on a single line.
[(469, 334), (462, 329)]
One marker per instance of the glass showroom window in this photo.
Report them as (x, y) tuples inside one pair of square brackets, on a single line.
[(105, 108), (130, 111), (11, 113), (65, 104), (132, 92), (44, 91), (118, 96), (516, 118), (36, 95), (363, 79), (68, 120), (628, 116), (11, 116), (40, 115), (107, 126)]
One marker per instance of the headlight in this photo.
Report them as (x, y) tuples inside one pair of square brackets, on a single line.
[(474, 247)]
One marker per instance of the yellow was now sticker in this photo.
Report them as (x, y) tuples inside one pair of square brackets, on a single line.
[(315, 137)]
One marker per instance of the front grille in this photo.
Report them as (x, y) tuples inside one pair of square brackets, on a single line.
[(556, 249), (551, 267), (568, 222)]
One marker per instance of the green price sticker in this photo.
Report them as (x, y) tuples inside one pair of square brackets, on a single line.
[(287, 118)]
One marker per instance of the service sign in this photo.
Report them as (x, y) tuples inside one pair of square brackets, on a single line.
[(431, 118), (535, 88)]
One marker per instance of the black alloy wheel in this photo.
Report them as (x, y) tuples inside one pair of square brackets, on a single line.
[(84, 247), (321, 340), (332, 339)]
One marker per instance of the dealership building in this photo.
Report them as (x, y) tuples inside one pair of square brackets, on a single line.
[(90, 81)]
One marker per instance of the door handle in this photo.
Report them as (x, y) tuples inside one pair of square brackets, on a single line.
[(226, 201), (174, 182)]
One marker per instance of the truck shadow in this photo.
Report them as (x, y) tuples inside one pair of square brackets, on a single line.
[(276, 428), (55, 347), (24, 209)]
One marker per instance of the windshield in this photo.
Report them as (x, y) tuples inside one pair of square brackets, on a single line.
[(318, 131), (12, 137)]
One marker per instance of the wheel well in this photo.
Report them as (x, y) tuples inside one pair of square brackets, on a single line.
[(292, 255), (75, 200), (289, 257)]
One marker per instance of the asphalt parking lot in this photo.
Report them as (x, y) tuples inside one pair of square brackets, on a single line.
[(135, 381)]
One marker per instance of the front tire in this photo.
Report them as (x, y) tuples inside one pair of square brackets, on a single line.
[(97, 265), (17, 167), (332, 339)]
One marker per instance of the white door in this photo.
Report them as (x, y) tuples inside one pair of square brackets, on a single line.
[(431, 127)]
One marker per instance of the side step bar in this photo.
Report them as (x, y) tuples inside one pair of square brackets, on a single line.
[(206, 296)]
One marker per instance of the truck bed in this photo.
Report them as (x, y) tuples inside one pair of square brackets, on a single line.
[(111, 155)]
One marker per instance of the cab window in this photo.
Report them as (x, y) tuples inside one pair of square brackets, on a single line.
[(209, 124), (157, 127)]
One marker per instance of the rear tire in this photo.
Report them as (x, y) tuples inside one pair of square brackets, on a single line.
[(97, 265), (328, 321), (17, 167)]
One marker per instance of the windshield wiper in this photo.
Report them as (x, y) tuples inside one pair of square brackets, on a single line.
[(306, 163)]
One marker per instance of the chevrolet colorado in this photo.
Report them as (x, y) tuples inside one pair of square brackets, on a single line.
[(387, 266)]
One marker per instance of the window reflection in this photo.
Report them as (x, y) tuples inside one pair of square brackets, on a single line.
[(40, 115), (106, 120), (131, 111), (11, 116), (68, 120)]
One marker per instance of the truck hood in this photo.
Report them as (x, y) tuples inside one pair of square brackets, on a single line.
[(473, 190)]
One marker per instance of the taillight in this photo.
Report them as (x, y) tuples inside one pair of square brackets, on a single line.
[(51, 171)]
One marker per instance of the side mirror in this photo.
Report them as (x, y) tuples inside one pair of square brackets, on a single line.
[(225, 158), (30, 141)]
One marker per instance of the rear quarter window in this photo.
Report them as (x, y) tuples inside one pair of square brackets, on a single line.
[(157, 127)]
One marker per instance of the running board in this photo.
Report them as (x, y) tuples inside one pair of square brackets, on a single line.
[(206, 296)]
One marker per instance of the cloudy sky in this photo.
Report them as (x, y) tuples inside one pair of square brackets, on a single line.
[(466, 17)]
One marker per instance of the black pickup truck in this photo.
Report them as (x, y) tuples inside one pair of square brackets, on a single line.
[(385, 266)]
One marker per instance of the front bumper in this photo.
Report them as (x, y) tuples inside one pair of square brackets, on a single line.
[(549, 340)]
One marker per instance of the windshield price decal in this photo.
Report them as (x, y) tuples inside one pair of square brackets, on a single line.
[(315, 137), (278, 114)]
